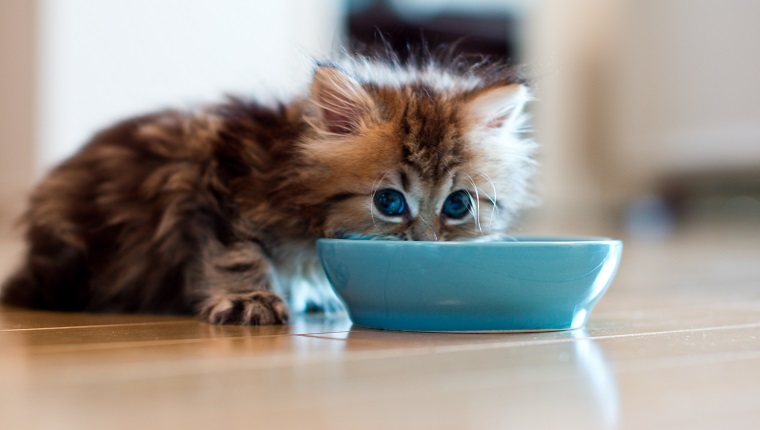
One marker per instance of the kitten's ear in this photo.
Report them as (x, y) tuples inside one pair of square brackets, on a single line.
[(341, 102), (498, 108)]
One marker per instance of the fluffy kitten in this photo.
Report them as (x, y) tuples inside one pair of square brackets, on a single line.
[(218, 210)]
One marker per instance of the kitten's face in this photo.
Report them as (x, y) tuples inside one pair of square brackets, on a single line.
[(414, 163)]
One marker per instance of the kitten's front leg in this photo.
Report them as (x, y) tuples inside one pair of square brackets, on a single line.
[(236, 287)]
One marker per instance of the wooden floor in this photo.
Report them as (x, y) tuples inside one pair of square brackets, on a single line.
[(674, 344)]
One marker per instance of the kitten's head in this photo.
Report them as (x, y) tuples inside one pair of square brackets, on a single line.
[(417, 152)]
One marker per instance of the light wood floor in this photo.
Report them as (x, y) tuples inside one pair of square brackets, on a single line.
[(674, 344)]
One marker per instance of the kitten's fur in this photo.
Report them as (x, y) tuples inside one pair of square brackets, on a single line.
[(212, 211)]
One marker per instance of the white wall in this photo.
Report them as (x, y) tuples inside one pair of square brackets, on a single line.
[(17, 110), (107, 59)]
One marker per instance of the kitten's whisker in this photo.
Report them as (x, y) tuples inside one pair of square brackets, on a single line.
[(493, 201), (476, 214), (490, 219), (375, 186)]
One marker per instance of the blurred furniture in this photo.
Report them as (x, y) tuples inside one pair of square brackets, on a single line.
[(474, 27), (644, 100)]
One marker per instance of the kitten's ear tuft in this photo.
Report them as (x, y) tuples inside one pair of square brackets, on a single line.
[(341, 101), (499, 108)]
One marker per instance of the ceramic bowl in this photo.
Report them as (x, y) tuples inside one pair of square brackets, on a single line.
[(521, 284)]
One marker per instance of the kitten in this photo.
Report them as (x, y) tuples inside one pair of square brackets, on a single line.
[(217, 211)]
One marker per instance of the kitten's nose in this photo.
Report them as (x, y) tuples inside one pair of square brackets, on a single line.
[(423, 232)]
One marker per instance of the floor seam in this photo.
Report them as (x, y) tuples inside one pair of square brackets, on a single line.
[(94, 326), (149, 343)]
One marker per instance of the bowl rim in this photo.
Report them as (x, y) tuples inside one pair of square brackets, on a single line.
[(520, 241)]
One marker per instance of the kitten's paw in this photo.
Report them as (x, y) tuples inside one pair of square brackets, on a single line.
[(254, 308)]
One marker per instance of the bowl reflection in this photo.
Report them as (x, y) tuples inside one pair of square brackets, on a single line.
[(528, 380)]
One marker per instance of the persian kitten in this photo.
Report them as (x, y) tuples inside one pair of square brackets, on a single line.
[(217, 211)]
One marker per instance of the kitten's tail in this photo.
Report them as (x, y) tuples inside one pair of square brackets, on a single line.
[(54, 275)]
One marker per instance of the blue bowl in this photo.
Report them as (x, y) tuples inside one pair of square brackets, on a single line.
[(525, 284)]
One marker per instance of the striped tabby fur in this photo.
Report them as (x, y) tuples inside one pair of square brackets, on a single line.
[(216, 211)]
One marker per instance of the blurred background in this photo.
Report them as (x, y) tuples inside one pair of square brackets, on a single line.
[(648, 113)]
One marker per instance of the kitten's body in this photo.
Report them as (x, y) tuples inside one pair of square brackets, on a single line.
[(214, 211)]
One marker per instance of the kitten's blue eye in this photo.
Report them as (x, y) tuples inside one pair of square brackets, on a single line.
[(457, 204), (390, 202)]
